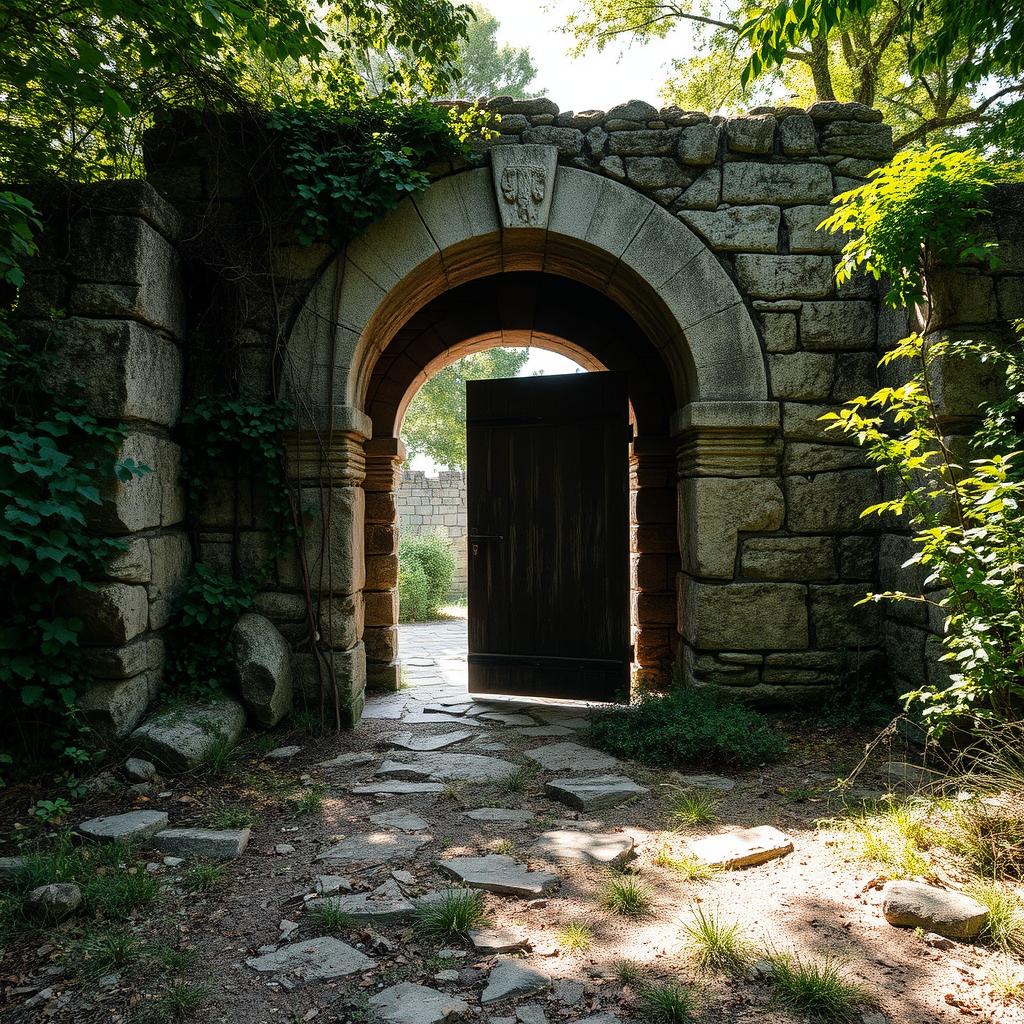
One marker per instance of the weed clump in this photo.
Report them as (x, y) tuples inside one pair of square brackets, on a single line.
[(453, 913)]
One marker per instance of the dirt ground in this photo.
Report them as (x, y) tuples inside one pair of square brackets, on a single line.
[(820, 900)]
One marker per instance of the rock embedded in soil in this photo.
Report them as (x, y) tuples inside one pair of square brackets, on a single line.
[(499, 874), (353, 759), (263, 665), (442, 767), (742, 847), (313, 960), (397, 788), (597, 847), (945, 911), (139, 770), (498, 940), (601, 1018), (282, 753), (123, 828), (401, 818), (424, 744), (407, 1003), (557, 756), (330, 885), (507, 815), (11, 868), (593, 792), (216, 844), (512, 979), (52, 903), (386, 903), (531, 1013), (374, 847), (716, 782), (183, 738)]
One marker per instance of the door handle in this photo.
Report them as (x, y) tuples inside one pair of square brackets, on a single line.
[(476, 539)]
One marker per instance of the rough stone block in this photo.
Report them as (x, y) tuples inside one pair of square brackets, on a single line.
[(698, 144), (644, 143), (263, 663), (335, 561), (147, 501), (124, 661), (801, 375), (905, 647), (830, 502), (650, 172), (779, 330), (801, 458), (789, 558), (785, 277), (784, 184), (743, 616), (349, 676), (798, 136), (738, 228), (742, 848), (754, 134), (804, 234), (856, 374), (712, 511), (184, 737), (569, 141), (918, 905), (851, 138), (170, 557), (215, 844), (381, 572), (838, 620), (705, 193), (112, 613), (127, 372), (114, 708), (803, 422), (837, 325), (122, 828)]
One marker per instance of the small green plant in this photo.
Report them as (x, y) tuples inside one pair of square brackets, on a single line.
[(453, 913), (1004, 926), (628, 973), (816, 988), (1006, 980), (687, 727), (101, 951), (504, 847), (716, 944), (49, 811), (669, 1004), (426, 572), (118, 892), (893, 834), (516, 781), (223, 815), (693, 806), (309, 801), (329, 917), (575, 937), (201, 876), (179, 1002), (171, 960), (627, 896), (691, 868)]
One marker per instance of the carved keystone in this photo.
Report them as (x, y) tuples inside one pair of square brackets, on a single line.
[(524, 178)]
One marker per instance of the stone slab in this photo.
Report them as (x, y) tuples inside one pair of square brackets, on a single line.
[(445, 767), (386, 903), (505, 815), (499, 874), (716, 782), (282, 753), (498, 940), (596, 847), (555, 756), (401, 818), (742, 847), (184, 738), (123, 828), (397, 788), (507, 717), (416, 742), (313, 960), (373, 847), (217, 844), (590, 793), (407, 1003), (512, 979), (945, 911), (354, 759), (331, 885)]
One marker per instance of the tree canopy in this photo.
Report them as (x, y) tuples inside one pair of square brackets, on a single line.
[(435, 423), (489, 69), (863, 51)]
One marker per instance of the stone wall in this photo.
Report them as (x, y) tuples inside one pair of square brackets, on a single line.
[(108, 260), (432, 505)]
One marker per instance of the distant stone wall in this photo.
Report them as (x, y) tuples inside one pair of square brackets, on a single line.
[(436, 505)]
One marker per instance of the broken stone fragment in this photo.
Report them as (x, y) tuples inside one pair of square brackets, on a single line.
[(742, 847), (945, 911)]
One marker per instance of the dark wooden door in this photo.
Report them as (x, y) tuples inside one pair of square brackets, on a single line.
[(548, 496)]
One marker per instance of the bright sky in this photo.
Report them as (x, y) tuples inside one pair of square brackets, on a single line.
[(597, 80)]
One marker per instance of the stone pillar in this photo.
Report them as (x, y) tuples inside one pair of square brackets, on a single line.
[(727, 458), (328, 467), (384, 458), (654, 558)]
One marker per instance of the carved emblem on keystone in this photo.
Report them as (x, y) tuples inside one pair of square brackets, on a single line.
[(524, 177)]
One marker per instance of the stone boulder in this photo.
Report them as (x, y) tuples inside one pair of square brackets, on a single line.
[(183, 738), (52, 903), (264, 667), (945, 911)]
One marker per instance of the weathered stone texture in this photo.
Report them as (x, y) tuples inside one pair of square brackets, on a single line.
[(785, 184), (737, 229), (785, 277)]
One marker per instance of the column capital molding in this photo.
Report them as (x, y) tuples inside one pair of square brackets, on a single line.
[(384, 457), (734, 439)]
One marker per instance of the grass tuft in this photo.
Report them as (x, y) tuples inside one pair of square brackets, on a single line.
[(694, 806), (687, 727), (200, 876), (815, 988), (223, 815), (576, 937), (329, 917), (309, 801), (453, 913), (893, 834), (179, 1002), (516, 781), (504, 846), (717, 944), (1004, 927), (691, 868), (627, 896), (101, 951), (628, 973), (669, 1004)]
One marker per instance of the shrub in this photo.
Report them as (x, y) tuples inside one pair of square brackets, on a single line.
[(429, 566), (687, 727)]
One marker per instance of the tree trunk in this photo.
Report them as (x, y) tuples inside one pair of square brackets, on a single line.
[(820, 73)]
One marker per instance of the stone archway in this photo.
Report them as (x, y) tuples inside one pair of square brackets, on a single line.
[(528, 214)]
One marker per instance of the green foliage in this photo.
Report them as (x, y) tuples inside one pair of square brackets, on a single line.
[(669, 1004), (575, 937), (626, 896), (685, 864), (687, 727), (435, 422), (489, 69), (18, 225), (426, 571), (329, 917), (693, 806), (199, 659), (716, 944), (817, 989), (451, 914), (1004, 926), (201, 876), (347, 167), (920, 209)]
